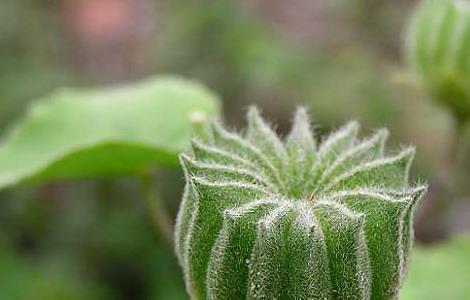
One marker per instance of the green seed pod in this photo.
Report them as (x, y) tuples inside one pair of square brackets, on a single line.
[(263, 218), (438, 48)]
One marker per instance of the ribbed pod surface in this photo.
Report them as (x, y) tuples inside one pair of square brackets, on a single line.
[(265, 218), (438, 48)]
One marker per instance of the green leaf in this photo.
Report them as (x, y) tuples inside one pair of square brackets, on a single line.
[(439, 272), (86, 133), (54, 278)]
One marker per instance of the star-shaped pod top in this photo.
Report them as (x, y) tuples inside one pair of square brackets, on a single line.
[(265, 218)]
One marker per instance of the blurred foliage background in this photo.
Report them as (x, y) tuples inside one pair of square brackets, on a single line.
[(93, 239)]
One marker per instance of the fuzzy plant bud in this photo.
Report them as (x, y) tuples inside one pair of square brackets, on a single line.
[(438, 48), (265, 218)]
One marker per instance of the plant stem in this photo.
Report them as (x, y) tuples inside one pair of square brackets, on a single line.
[(158, 213), (442, 194)]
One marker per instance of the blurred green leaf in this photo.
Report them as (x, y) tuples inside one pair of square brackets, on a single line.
[(24, 278), (85, 133), (440, 272)]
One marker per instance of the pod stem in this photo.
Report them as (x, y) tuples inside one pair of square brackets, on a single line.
[(443, 187), (156, 208)]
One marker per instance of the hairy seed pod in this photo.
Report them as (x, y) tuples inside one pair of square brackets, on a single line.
[(438, 48), (264, 218)]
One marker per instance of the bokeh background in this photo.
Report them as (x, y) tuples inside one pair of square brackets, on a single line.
[(93, 239)]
